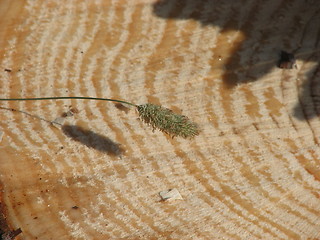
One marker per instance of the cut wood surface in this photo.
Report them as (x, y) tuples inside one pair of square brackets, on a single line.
[(80, 169)]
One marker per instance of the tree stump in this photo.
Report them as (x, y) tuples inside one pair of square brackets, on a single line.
[(77, 169)]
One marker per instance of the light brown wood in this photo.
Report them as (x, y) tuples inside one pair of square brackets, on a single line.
[(252, 173)]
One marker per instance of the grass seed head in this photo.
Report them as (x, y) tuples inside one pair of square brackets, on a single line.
[(167, 121)]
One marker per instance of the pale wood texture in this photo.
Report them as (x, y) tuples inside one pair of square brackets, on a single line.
[(252, 173)]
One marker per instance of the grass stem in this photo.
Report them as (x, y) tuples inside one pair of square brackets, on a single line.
[(63, 98), (156, 116)]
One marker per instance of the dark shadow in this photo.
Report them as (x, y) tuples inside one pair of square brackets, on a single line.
[(86, 137), (92, 140), (264, 36), (308, 106)]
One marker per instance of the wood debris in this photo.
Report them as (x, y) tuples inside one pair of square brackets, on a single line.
[(287, 60), (171, 194), (58, 122), (10, 235), (122, 107)]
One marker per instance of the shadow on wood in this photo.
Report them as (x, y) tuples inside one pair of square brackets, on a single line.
[(92, 140), (293, 27), (308, 105)]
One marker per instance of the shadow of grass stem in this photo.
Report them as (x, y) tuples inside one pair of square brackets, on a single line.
[(156, 116)]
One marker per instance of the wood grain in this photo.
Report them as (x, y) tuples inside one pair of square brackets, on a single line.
[(252, 173)]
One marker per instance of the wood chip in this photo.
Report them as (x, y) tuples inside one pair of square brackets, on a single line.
[(171, 194), (122, 107), (58, 122)]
